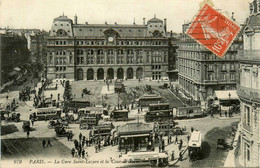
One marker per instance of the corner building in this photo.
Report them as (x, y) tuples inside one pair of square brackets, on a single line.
[(107, 51), (201, 72), (249, 90)]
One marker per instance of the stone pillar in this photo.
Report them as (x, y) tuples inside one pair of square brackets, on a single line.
[(135, 56), (115, 73), (73, 57), (105, 73), (115, 56), (95, 74), (53, 55), (125, 73), (85, 57), (134, 73), (95, 56), (125, 56), (105, 56), (144, 56)]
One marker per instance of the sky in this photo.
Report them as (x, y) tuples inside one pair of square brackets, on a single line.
[(40, 13)]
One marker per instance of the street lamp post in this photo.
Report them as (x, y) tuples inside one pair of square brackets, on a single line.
[(229, 95)]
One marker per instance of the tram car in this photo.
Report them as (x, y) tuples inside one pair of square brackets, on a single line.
[(76, 104), (188, 112), (119, 115), (159, 112), (49, 113)]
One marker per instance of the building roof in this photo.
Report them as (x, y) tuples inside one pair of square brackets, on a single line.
[(224, 94), (155, 20), (134, 128), (62, 18), (254, 21), (97, 30)]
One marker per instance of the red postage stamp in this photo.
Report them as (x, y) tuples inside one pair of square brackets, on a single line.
[(213, 30)]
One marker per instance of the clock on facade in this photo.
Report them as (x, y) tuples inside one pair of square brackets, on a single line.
[(110, 39)]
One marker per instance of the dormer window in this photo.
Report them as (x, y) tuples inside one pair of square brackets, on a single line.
[(55, 24), (67, 24), (155, 25), (151, 26), (61, 24), (80, 29)]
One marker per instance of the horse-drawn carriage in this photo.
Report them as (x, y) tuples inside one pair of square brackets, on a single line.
[(60, 131)]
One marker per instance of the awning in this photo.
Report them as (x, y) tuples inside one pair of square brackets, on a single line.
[(130, 136), (17, 69), (13, 73), (226, 95)]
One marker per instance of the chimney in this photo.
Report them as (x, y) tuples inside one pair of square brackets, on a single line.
[(165, 24), (76, 19), (115, 23), (232, 17), (106, 22), (86, 23), (143, 21)]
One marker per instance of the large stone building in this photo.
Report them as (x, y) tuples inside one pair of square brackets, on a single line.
[(114, 51), (14, 54), (249, 89), (201, 72)]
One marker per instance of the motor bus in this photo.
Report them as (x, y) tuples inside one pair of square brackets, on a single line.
[(118, 115), (194, 145), (49, 113), (144, 159), (159, 112), (188, 112)]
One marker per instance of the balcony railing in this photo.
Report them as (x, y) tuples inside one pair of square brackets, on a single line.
[(249, 55), (248, 93), (193, 48)]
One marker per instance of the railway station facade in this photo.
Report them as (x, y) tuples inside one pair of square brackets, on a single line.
[(107, 51)]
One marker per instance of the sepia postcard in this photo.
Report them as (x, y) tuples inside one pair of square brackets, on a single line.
[(129, 83)]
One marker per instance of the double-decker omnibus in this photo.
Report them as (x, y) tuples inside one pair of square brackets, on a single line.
[(48, 113), (159, 112), (103, 129), (88, 122), (165, 127)]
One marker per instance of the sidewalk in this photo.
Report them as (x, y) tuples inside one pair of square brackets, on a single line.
[(230, 160)]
